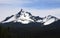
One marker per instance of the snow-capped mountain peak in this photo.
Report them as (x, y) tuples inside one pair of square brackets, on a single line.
[(25, 17), (22, 17)]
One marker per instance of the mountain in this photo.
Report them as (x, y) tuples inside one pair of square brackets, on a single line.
[(25, 17), (25, 25)]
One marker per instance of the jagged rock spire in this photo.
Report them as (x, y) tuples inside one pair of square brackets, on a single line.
[(18, 15)]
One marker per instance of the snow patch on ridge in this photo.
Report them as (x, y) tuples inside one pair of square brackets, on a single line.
[(49, 21)]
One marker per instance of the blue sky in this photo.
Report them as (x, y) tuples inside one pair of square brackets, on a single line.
[(43, 7), (38, 4), (44, 4)]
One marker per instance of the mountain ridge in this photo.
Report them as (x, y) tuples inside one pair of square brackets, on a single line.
[(25, 17)]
